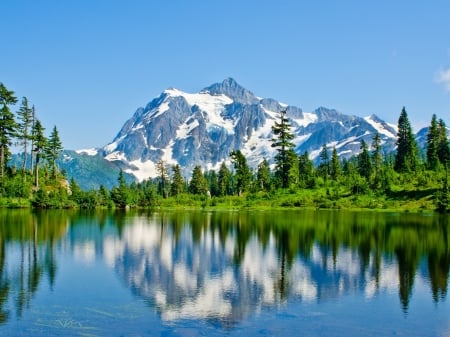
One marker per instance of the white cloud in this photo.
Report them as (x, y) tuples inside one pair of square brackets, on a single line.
[(443, 77)]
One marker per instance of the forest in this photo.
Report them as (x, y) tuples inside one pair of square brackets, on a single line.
[(409, 178)]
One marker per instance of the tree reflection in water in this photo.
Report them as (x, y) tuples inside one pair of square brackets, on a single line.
[(224, 266)]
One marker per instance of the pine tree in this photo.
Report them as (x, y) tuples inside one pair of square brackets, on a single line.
[(377, 159), (242, 171), (53, 150), (406, 159), (161, 170), (324, 165), (25, 117), (443, 150), (306, 170), (364, 163), (224, 180), (40, 144), (177, 185), (120, 195), (432, 144), (263, 176), (283, 143), (8, 126), (335, 167), (198, 184)]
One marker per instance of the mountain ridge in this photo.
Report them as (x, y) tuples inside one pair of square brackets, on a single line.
[(202, 128)]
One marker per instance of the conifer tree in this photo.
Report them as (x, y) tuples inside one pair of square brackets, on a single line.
[(198, 183), (364, 163), (53, 150), (263, 176), (161, 170), (335, 167), (40, 144), (306, 170), (224, 180), (283, 143), (242, 171), (177, 185), (443, 150), (377, 159), (324, 165), (25, 117), (432, 144), (406, 159), (8, 126)]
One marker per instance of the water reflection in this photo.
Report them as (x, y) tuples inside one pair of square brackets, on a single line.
[(27, 255), (224, 266)]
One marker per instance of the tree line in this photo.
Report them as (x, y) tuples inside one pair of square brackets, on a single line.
[(373, 174), (25, 131)]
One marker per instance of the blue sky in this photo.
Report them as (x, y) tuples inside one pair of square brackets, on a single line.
[(88, 64)]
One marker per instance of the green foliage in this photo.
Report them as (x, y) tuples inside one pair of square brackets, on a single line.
[(406, 159), (243, 174), (285, 161)]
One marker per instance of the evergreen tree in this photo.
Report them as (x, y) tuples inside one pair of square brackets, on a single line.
[(283, 143), (364, 163), (377, 158), (443, 150), (198, 183), (212, 182), (224, 180), (163, 176), (263, 176), (306, 170), (432, 144), (25, 116), (177, 185), (242, 171), (40, 144), (324, 166), (335, 167), (120, 195), (8, 126), (406, 159), (53, 150)]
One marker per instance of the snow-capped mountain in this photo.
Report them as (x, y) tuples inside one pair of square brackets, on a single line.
[(203, 128)]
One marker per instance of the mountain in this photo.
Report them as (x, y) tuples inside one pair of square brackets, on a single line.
[(203, 128)]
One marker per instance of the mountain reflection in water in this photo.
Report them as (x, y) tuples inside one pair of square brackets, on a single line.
[(225, 266)]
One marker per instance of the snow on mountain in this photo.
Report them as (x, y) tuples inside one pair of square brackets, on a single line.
[(202, 128)]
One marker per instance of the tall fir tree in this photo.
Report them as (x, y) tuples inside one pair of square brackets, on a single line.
[(443, 150), (198, 183), (163, 178), (8, 126), (25, 117), (283, 143), (177, 185), (406, 159), (242, 171), (224, 180), (377, 159), (306, 170), (364, 162), (432, 144), (53, 150), (40, 144), (335, 166), (263, 176), (324, 165)]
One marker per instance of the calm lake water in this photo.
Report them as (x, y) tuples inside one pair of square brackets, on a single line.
[(284, 273)]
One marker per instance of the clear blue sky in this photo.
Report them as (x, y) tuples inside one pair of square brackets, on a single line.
[(88, 64)]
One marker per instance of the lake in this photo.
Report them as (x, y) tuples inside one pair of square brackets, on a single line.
[(255, 273)]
